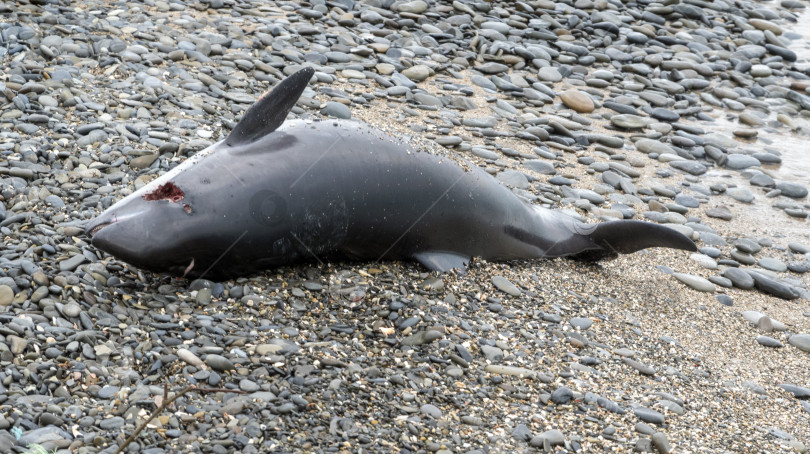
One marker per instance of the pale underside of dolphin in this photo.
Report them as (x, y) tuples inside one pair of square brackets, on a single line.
[(275, 193)]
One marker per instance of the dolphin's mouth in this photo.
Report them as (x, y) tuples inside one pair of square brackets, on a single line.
[(96, 229)]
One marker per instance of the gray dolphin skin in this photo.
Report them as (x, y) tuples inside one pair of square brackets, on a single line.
[(275, 193)]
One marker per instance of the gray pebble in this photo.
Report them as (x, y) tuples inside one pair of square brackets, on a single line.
[(562, 395), (741, 195), (582, 323), (800, 341), (642, 368), (548, 438), (72, 263), (116, 422), (791, 189), (799, 392), (661, 443), (739, 278), (417, 73), (219, 362), (493, 354), (337, 110), (769, 342), (431, 411), (690, 167), (696, 282), (648, 415), (504, 285)]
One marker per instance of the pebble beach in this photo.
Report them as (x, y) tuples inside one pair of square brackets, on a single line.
[(688, 113)]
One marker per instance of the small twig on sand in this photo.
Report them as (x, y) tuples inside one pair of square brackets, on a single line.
[(165, 404)]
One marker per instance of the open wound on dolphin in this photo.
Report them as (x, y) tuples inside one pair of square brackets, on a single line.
[(168, 191)]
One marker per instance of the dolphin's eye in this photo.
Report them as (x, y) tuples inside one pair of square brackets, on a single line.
[(168, 191)]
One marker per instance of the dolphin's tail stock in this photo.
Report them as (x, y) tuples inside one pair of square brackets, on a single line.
[(624, 237)]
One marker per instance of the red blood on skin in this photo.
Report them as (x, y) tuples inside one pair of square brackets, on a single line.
[(168, 191)]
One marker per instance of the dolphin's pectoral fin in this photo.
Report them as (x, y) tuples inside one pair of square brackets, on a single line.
[(270, 111), (442, 260)]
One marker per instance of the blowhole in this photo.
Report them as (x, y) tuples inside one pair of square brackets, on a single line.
[(168, 191)]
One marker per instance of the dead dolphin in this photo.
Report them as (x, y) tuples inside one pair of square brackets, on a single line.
[(275, 193)]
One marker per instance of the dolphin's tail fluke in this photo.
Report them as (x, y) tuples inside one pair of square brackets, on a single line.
[(625, 237)]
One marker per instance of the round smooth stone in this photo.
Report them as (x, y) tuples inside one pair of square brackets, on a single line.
[(762, 180), (549, 74), (352, 74), (769, 342), (577, 100), (415, 7), (761, 71), (659, 113), (690, 167), (6, 295), (704, 260), (337, 110), (540, 166), (741, 161), (739, 278), (503, 284), (492, 68), (551, 437), (798, 248), (416, 73), (725, 300), (741, 195), (628, 121), (800, 341), (653, 146), (762, 24), (582, 323), (561, 395), (772, 264), (721, 281), (791, 189)]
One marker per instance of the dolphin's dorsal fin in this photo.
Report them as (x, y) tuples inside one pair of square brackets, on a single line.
[(270, 111)]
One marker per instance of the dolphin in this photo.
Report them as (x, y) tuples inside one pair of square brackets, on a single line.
[(278, 192)]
